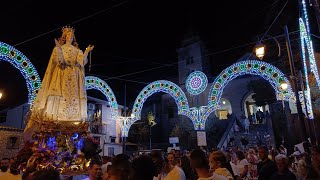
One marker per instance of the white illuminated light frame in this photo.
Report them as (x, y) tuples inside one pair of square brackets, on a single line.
[(307, 42)]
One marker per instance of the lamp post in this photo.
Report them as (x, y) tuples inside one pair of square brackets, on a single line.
[(260, 48), (260, 52), (294, 80), (125, 112), (151, 122)]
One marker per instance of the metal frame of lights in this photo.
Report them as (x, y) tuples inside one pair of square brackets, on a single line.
[(196, 82), (125, 124), (21, 62), (96, 83), (307, 42), (267, 71)]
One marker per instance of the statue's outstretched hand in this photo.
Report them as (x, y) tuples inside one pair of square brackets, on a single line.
[(89, 48)]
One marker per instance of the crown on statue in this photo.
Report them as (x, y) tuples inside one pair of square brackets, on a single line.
[(67, 29)]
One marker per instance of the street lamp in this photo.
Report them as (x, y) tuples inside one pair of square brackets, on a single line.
[(260, 48), (0, 95), (283, 86)]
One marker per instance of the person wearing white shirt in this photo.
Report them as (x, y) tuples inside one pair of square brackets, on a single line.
[(242, 164), (173, 172), (199, 161)]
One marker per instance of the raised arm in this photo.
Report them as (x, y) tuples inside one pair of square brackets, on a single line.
[(86, 52), (59, 54)]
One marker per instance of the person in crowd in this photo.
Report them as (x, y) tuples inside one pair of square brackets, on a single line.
[(315, 159), (272, 153), (236, 128), (267, 138), (143, 168), (106, 175), (260, 116), (252, 157), (157, 157), (95, 172), (121, 168), (253, 161), (13, 173), (47, 174), (258, 139), (265, 167), (246, 125), (266, 115), (106, 163), (218, 164), (283, 150), (283, 172), (242, 165), (305, 170), (236, 173), (12, 161), (4, 165), (177, 153), (171, 158), (28, 173), (244, 142), (173, 172), (186, 167), (177, 162), (199, 161), (172, 151), (254, 118)]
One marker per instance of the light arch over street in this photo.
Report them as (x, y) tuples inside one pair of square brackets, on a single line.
[(22, 63), (254, 67)]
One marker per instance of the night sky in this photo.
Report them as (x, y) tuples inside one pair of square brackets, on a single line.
[(135, 40)]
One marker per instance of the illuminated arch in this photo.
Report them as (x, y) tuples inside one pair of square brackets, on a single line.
[(98, 84), (26, 68), (161, 86), (267, 71)]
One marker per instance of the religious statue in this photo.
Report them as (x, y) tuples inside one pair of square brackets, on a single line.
[(62, 96)]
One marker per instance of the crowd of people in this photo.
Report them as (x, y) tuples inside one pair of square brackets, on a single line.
[(261, 163)]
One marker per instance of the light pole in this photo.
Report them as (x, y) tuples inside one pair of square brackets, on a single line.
[(125, 112), (294, 80), (260, 52), (151, 122)]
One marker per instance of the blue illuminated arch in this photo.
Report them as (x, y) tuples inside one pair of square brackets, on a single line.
[(26, 68), (267, 71), (98, 84), (161, 86)]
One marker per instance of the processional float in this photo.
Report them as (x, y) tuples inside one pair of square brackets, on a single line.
[(56, 135)]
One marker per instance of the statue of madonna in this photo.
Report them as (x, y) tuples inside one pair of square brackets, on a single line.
[(62, 96)]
